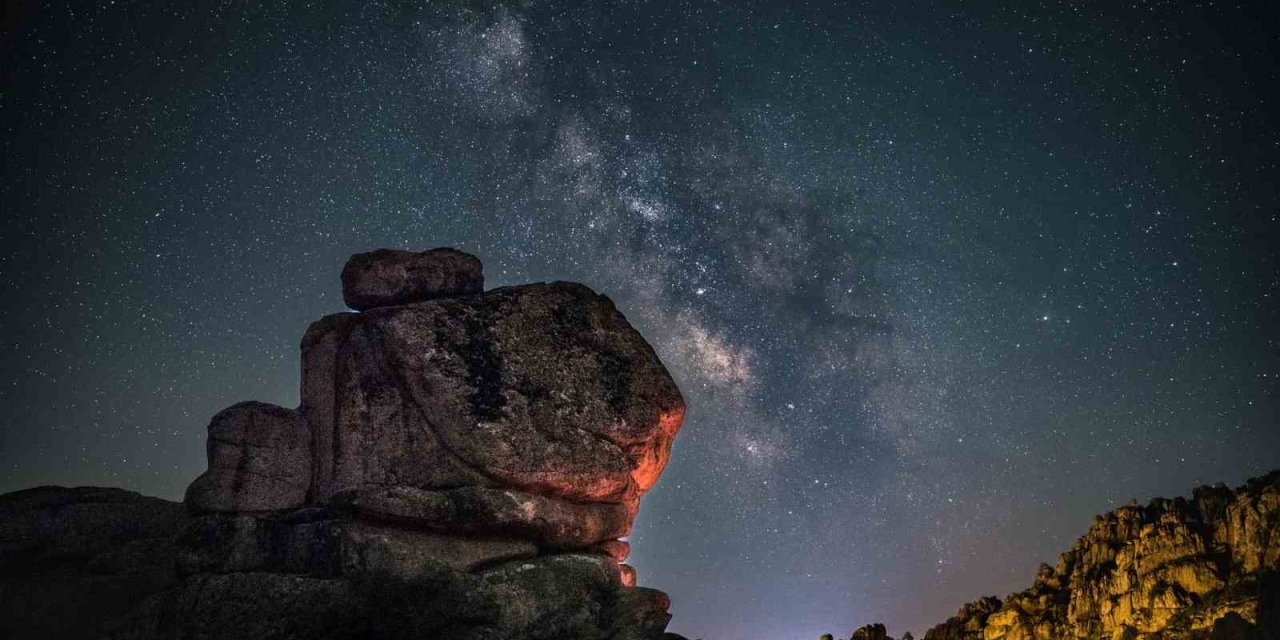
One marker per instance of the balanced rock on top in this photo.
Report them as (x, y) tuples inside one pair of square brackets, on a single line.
[(388, 277)]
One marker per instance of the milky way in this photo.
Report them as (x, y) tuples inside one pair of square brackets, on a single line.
[(939, 283)]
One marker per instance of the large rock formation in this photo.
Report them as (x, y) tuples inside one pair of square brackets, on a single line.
[(462, 465), (1182, 569)]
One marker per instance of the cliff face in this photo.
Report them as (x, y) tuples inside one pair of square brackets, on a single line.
[(463, 465), (1204, 567)]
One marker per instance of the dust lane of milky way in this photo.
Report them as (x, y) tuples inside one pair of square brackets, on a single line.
[(940, 282)]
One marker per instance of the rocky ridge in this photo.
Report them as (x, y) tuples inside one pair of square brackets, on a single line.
[(463, 464), (1204, 568)]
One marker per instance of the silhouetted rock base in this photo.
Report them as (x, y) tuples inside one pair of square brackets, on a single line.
[(105, 563)]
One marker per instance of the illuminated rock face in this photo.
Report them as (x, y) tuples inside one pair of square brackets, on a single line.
[(445, 435), (1172, 570), (543, 388)]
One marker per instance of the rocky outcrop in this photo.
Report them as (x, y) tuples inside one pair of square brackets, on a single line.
[(870, 632), (968, 623), (463, 464), (875, 631), (1204, 568)]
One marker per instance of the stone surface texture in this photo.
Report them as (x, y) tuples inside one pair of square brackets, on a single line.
[(463, 465), (388, 277), (544, 388), (259, 460)]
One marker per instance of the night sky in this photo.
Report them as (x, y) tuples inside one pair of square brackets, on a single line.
[(939, 282)]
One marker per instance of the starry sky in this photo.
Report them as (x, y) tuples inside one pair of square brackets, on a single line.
[(939, 280)]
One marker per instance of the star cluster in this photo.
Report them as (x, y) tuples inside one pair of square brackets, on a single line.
[(939, 281)]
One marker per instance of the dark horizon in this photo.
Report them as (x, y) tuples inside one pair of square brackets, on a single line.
[(938, 283)]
